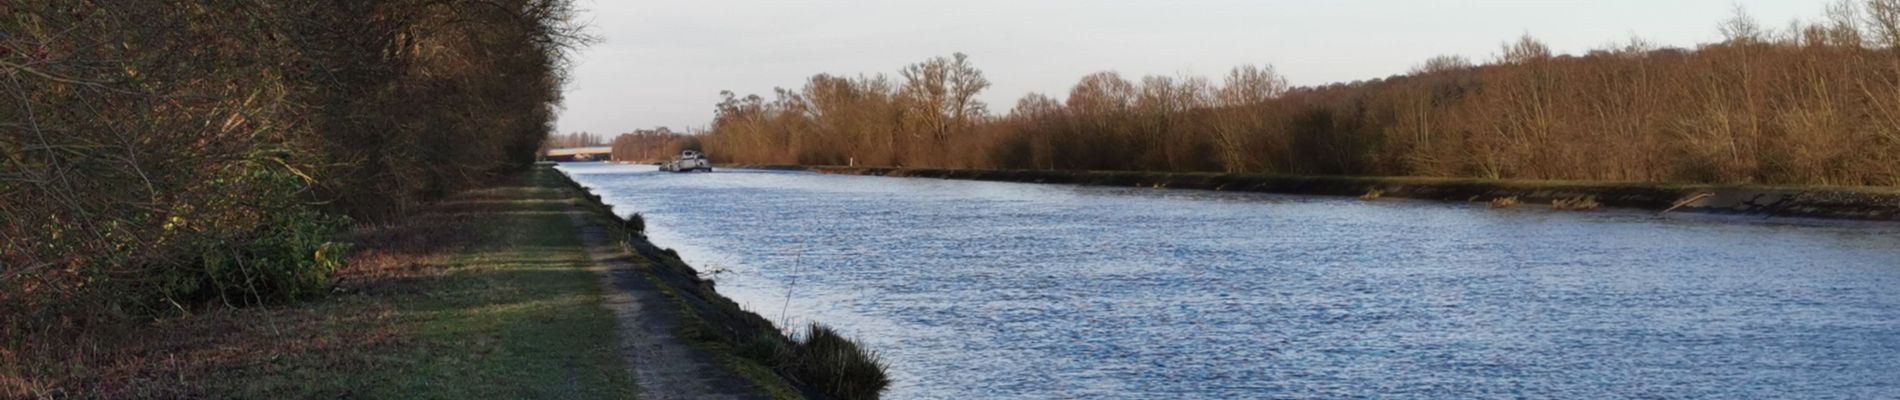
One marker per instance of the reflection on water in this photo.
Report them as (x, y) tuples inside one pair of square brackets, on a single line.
[(1004, 290)]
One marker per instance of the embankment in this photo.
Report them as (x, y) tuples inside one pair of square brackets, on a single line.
[(823, 365), (1861, 203)]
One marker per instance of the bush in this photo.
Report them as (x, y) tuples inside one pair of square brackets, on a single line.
[(284, 254), (177, 151), (637, 225)]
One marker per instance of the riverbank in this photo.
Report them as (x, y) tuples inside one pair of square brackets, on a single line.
[(820, 364), (519, 290), (1859, 203), (1123, 292)]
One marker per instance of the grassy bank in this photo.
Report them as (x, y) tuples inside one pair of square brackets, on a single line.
[(1865, 203), (488, 294), (819, 364)]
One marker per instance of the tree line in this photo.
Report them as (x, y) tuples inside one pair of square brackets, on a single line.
[(1811, 103), (651, 145), (160, 155), (570, 140)]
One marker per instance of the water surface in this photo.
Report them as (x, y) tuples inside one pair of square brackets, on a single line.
[(1005, 290)]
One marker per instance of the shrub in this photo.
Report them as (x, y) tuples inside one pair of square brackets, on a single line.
[(173, 151), (637, 225), (286, 253)]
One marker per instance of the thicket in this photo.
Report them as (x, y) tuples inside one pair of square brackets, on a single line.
[(1814, 103), (652, 145), (161, 155)]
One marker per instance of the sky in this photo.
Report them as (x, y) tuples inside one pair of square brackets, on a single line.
[(664, 62)]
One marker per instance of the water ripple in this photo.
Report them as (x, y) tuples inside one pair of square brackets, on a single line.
[(1002, 290)]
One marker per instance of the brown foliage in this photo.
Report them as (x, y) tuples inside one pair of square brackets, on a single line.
[(1818, 103), (159, 154), (651, 145)]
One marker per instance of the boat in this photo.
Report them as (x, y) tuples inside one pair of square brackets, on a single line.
[(688, 161)]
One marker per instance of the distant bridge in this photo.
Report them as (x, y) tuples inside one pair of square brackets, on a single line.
[(603, 153)]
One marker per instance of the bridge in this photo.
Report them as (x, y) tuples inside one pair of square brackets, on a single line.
[(602, 153)]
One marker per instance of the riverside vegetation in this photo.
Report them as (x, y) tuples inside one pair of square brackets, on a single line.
[(176, 158), (292, 199), (1815, 103)]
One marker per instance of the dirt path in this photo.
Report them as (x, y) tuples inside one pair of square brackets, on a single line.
[(664, 366)]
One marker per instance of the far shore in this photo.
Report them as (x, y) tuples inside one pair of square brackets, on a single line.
[(1829, 202)]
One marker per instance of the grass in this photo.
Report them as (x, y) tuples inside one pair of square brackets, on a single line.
[(488, 295)]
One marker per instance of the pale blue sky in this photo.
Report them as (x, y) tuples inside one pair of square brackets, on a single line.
[(663, 62)]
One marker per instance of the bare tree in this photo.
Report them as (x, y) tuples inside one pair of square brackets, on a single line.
[(1240, 98), (941, 94), (1817, 103)]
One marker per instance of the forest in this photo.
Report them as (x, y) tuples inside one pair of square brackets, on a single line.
[(160, 156), (1812, 103), (651, 145)]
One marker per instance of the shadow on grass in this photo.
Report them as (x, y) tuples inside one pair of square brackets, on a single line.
[(485, 295)]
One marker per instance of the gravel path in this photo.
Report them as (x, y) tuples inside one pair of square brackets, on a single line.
[(664, 366)]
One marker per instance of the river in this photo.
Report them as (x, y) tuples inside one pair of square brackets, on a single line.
[(1008, 290)]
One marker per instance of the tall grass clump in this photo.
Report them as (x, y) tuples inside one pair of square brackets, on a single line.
[(822, 360), (835, 365)]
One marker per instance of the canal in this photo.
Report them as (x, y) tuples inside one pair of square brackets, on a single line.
[(1007, 290)]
